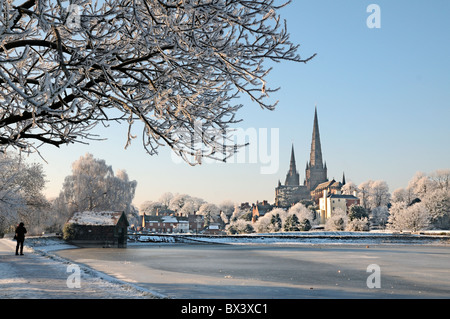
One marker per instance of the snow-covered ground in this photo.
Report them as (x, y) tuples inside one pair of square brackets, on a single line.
[(40, 274)]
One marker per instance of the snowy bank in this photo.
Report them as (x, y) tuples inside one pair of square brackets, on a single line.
[(312, 237)]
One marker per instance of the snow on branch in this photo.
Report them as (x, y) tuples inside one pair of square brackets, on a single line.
[(66, 66)]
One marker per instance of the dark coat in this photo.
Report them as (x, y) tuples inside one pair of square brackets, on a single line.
[(20, 232)]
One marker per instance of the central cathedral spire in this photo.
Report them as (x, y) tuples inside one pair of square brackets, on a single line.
[(315, 172), (316, 148)]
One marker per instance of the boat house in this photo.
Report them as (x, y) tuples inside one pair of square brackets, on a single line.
[(97, 229)]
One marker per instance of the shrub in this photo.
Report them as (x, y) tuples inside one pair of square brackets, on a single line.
[(69, 231), (305, 225), (358, 225), (357, 212)]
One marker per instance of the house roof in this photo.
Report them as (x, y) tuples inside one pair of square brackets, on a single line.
[(325, 184), (161, 219), (105, 218), (342, 196)]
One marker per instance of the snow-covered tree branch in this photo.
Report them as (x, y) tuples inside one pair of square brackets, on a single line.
[(66, 67)]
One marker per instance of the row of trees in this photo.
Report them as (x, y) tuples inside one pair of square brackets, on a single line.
[(92, 186), (297, 218), (184, 205), (423, 204)]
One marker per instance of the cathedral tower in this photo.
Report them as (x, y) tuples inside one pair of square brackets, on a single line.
[(316, 171), (292, 177)]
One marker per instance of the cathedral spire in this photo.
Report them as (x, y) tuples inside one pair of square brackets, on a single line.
[(316, 149), (292, 166), (316, 171), (292, 177)]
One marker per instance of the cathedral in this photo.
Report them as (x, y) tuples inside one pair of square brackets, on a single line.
[(315, 174)]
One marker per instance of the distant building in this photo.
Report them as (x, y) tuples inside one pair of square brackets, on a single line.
[(331, 202), (331, 187), (260, 209), (291, 192), (213, 229), (159, 224), (316, 180), (172, 224), (104, 229), (196, 223)]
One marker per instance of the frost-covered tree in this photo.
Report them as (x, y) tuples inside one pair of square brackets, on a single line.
[(21, 197), (373, 194), (239, 213), (227, 207), (176, 67), (349, 188), (239, 226), (94, 187), (337, 221), (379, 196), (357, 212), (239, 222), (150, 207), (224, 219), (409, 217), (358, 219), (210, 212), (271, 222), (437, 204), (291, 223), (364, 193), (165, 199), (178, 201), (185, 204), (420, 184), (379, 216), (433, 191), (303, 213), (358, 224), (441, 178)]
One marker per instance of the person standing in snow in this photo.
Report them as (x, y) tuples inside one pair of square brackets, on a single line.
[(20, 237)]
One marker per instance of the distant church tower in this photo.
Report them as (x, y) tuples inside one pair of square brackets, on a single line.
[(316, 171), (292, 177)]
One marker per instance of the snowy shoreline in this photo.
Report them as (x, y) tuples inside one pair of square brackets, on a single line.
[(313, 237), (102, 286)]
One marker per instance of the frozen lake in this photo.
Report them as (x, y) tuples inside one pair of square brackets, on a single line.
[(276, 271)]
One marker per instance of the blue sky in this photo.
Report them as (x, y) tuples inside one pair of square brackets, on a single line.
[(383, 100)]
